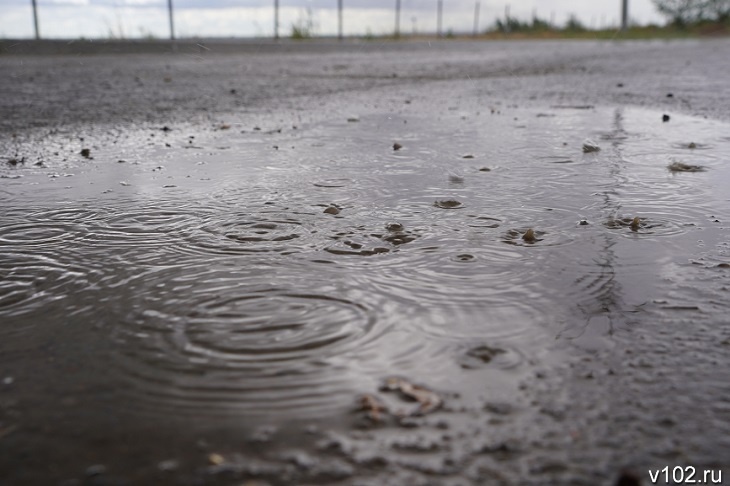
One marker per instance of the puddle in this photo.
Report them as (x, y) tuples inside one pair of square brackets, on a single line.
[(264, 285)]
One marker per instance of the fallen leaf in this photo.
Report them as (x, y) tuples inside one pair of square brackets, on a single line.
[(427, 399)]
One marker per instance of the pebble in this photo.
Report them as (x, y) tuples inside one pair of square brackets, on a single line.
[(332, 210), (590, 146)]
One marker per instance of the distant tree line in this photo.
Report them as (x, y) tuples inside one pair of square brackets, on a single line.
[(687, 12)]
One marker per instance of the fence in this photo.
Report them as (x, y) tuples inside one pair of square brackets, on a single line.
[(437, 12)]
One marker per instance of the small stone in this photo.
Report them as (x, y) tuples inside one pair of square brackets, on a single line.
[(353, 119), (692, 145), (529, 236), (723, 265), (670, 95), (124, 183), (86, 153), (397, 146), (485, 169), (583, 222), (395, 227), (216, 459), (620, 85), (665, 118), (682, 167), (332, 210), (448, 204), (590, 146), (635, 224), (468, 156)]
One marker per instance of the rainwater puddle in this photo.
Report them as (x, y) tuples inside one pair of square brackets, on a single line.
[(285, 281)]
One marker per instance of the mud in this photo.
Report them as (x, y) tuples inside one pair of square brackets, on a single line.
[(212, 274)]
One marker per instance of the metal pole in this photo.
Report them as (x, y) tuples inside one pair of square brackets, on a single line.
[(276, 19), (339, 19), (35, 20), (624, 14), (476, 19), (439, 15), (397, 18), (172, 22)]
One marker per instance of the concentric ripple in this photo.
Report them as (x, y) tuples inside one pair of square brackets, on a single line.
[(31, 282), (224, 341), (266, 231)]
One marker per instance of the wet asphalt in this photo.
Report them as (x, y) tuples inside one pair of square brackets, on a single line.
[(655, 396)]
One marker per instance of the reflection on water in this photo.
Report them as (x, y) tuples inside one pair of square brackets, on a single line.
[(284, 282)]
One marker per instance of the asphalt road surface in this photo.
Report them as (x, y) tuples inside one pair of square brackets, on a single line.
[(404, 263)]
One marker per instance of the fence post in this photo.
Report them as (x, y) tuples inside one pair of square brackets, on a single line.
[(276, 19), (339, 19), (172, 22), (476, 18), (624, 14), (397, 18), (439, 16), (35, 20)]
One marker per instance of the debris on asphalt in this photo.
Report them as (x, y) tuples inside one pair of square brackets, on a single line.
[(86, 153), (468, 156), (448, 204), (635, 224), (332, 210), (666, 118), (374, 408), (216, 459), (428, 400), (529, 236), (485, 169), (692, 145), (14, 161), (353, 119), (682, 167), (397, 146), (590, 146)]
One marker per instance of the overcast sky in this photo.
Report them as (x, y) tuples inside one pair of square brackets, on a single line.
[(70, 19)]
